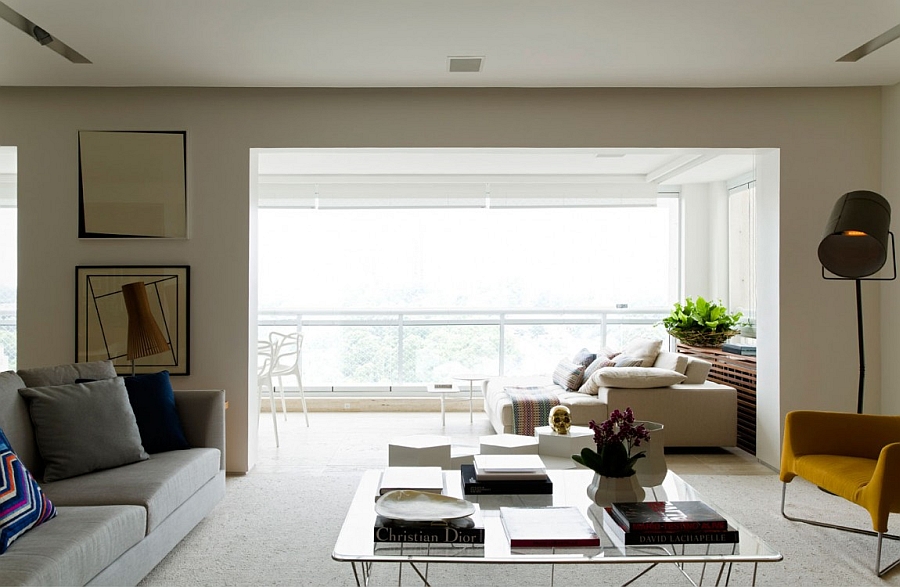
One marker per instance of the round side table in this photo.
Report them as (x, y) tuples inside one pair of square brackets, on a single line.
[(471, 378)]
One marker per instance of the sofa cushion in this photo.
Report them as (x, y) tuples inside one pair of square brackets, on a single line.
[(599, 362), (23, 505), (159, 484), (672, 361), (697, 371), (627, 361), (568, 375), (61, 374), (153, 402), (83, 427), (16, 423), (72, 549), (636, 377), (645, 349), (584, 357)]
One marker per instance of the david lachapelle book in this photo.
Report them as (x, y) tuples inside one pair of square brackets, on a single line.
[(621, 537), (668, 516)]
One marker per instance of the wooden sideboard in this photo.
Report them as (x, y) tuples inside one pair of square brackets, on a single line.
[(739, 372)]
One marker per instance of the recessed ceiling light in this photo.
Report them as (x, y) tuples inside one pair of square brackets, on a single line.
[(464, 64)]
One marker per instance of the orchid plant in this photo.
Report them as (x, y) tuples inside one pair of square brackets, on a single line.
[(616, 438)]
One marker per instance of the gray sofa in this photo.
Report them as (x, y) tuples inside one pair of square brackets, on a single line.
[(696, 412), (113, 526)]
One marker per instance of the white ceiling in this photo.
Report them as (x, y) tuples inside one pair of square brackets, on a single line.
[(387, 43), (623, 166)]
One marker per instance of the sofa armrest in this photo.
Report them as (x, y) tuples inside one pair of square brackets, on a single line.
[(202, 414)]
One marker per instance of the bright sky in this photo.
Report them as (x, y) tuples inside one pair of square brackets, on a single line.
[(458, 258)]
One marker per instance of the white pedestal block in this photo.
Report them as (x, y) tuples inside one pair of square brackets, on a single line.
[(564, 445), (419, 450), (508, 444)]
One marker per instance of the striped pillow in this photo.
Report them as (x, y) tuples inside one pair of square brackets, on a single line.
[(22, 503), (584, 357), (598, 363), (568, 375)]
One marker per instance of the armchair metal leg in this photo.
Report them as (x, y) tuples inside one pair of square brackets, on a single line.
[(881, 535)]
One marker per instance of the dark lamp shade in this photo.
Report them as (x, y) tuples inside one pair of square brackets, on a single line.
[(856, 236), (144, 336)]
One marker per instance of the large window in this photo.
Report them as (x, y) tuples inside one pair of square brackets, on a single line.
[(742, 248), (8, 254), (400, 296)]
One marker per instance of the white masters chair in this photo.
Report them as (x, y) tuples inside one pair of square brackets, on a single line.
[(286, 363), (264, 379)]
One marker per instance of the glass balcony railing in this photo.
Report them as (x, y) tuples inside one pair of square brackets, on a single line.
[(391, 350)]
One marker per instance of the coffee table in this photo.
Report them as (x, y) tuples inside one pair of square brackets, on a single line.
[(356, 546)]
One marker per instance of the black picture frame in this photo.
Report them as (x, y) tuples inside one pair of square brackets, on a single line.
[(101, 322)]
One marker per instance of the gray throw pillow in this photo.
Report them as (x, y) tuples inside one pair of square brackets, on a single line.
[(68, 373), (83, 427)]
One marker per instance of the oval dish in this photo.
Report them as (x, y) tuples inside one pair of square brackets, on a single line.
[(421, 506)]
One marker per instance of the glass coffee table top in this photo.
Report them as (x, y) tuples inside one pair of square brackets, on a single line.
[(355, 543)]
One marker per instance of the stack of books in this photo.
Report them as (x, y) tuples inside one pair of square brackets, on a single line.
[(740, 345), (563, 526), (506, 474), (459, 531), (666, 522)]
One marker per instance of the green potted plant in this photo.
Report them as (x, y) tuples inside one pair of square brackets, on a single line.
[(702, 323)]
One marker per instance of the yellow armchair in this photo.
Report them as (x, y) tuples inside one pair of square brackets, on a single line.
[(853, 456)]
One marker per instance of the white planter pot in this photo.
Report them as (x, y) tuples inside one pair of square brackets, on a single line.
[(652, 469), (606, 490)]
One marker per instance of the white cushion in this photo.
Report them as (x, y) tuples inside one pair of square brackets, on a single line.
[(697, 371), (671, 361), (636, 377), (645, 349)]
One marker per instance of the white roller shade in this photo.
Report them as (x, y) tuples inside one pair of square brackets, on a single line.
[(544, 195)]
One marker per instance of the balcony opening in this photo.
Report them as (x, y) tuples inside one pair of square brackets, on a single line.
[(403, 267)]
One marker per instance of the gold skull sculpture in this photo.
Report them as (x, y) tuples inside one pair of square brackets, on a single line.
[(560, 419)]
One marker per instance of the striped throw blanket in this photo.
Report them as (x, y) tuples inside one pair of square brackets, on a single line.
[(531, 407)]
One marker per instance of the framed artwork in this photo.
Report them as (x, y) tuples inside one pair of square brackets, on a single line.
[(132, 184), (101, 321)]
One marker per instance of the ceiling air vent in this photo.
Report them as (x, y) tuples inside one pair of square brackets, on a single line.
[(464, 64)]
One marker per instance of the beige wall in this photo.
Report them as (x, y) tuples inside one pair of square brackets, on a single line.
[(890, 298), (829, 141)]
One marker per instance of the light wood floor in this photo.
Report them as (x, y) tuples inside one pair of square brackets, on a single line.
[(358, 440)]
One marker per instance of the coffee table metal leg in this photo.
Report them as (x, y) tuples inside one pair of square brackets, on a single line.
[(443, 414)]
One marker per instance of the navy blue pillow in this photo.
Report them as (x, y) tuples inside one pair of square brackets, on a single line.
[(153, 402)]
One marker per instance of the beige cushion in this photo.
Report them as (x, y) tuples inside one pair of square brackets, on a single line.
[(671, 361), (636, 377), (697, 371), (645, 349)]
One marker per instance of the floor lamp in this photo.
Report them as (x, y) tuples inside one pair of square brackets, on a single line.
[(855, 246), (144, 336)]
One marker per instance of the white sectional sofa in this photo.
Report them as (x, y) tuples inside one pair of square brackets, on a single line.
[(695, 412)]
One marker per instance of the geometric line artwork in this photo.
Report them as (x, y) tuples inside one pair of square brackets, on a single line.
[(102, 320)]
